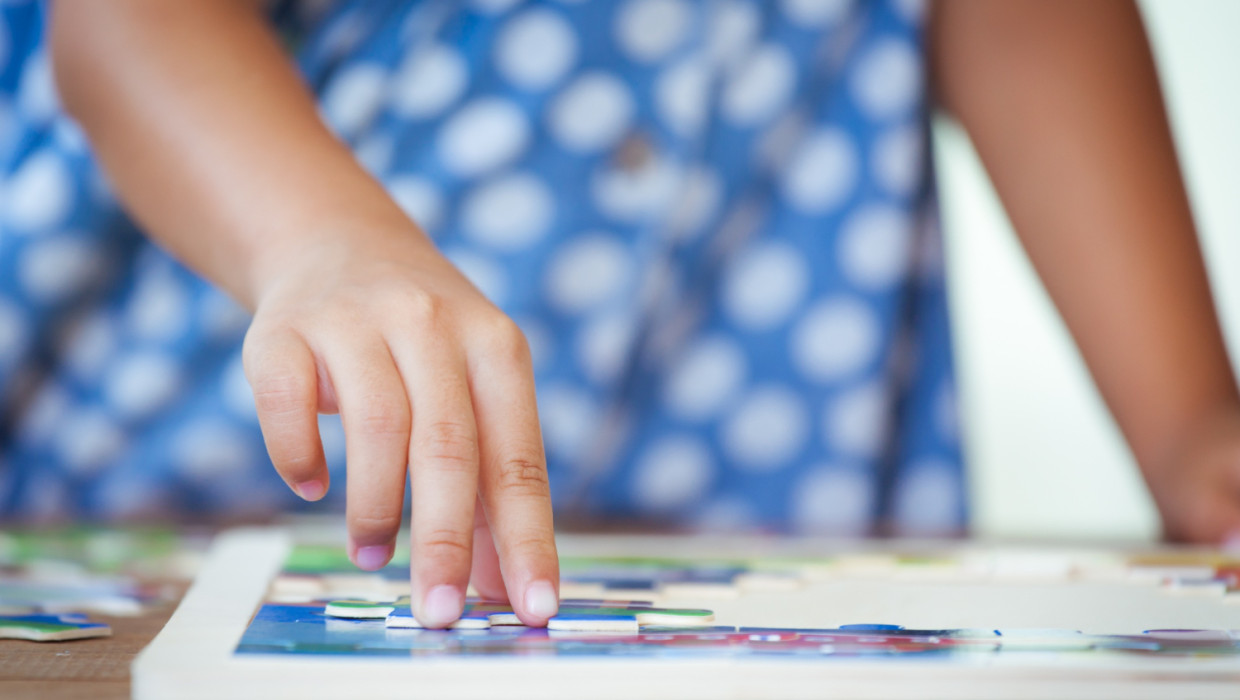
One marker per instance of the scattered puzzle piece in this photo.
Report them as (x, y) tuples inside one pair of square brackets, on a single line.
[(51, 628), (358, 609), (591, 615)]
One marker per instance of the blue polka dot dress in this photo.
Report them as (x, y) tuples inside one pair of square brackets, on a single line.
[(713, 220)]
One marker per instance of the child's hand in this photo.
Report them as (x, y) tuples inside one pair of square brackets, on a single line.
[(233, 172), (1198, 492), (425, 372)]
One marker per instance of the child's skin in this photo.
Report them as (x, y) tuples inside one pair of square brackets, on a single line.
[(216, 147)]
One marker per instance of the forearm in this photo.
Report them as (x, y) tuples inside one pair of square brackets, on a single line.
[(1062, 102), (208, 135)]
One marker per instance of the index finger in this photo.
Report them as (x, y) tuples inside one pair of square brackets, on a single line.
[(513, 476)]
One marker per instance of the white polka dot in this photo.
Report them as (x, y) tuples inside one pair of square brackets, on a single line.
[(680, 95), (237, 395), (815, 14), (822, 173), (898, 159), (13, 333), (603, 346), (856, 422), (911, 11), (887, 82), (160, 306), (698, 202), (764, 285), (673, 473), (875, 247), (38, 100), (485, 274), (569, 419), (731, 30), (429, 81), (835, 339), (589, 271), (634, 195), (759, 87), (484, 135), (210, 450), (68, 135), (704, 379), (53, 268), (648, 30), (39, 196), (142, 383), (767, 430), (834, 500), (508, 214), (592, 113), (535, 49), (418, 198), (88, 345), (354, 97), (89, 440), (927, 499)]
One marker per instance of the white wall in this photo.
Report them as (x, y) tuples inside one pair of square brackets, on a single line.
[(1046, 459)]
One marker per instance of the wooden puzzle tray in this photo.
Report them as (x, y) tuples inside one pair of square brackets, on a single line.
[(273, 614)]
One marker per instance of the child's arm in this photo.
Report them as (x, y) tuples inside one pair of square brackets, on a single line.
[(1062, 102), (216, 148)]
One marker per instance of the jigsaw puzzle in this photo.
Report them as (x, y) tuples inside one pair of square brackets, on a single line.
[(705, 619)]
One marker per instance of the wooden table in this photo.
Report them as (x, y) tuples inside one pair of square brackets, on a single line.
[(94, 669)]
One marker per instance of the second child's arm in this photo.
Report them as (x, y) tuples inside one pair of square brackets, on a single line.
[(1062, 102), (215, 146)]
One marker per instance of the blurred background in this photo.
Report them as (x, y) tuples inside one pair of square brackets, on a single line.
[(1046, 459)]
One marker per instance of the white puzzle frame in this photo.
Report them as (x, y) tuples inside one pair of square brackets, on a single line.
[(193, 657)]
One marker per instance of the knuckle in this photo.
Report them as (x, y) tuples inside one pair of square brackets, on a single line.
[(446, 542), (523, 475), (507, 341), (281, 393), (297, 465), (421, 307), (374, 525), (535, 547), (451, 444)]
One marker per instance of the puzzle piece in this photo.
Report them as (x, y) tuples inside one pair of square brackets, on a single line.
[(358, 609), (51, 628), (592, 615)]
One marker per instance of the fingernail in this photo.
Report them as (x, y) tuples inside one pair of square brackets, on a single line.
[(373, 557), (311, 490), (540, 600), (442, 606)]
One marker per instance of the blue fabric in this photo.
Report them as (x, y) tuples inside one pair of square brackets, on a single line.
[(714, 220)]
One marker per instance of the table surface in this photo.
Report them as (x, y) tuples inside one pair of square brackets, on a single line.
[(97, 669)]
